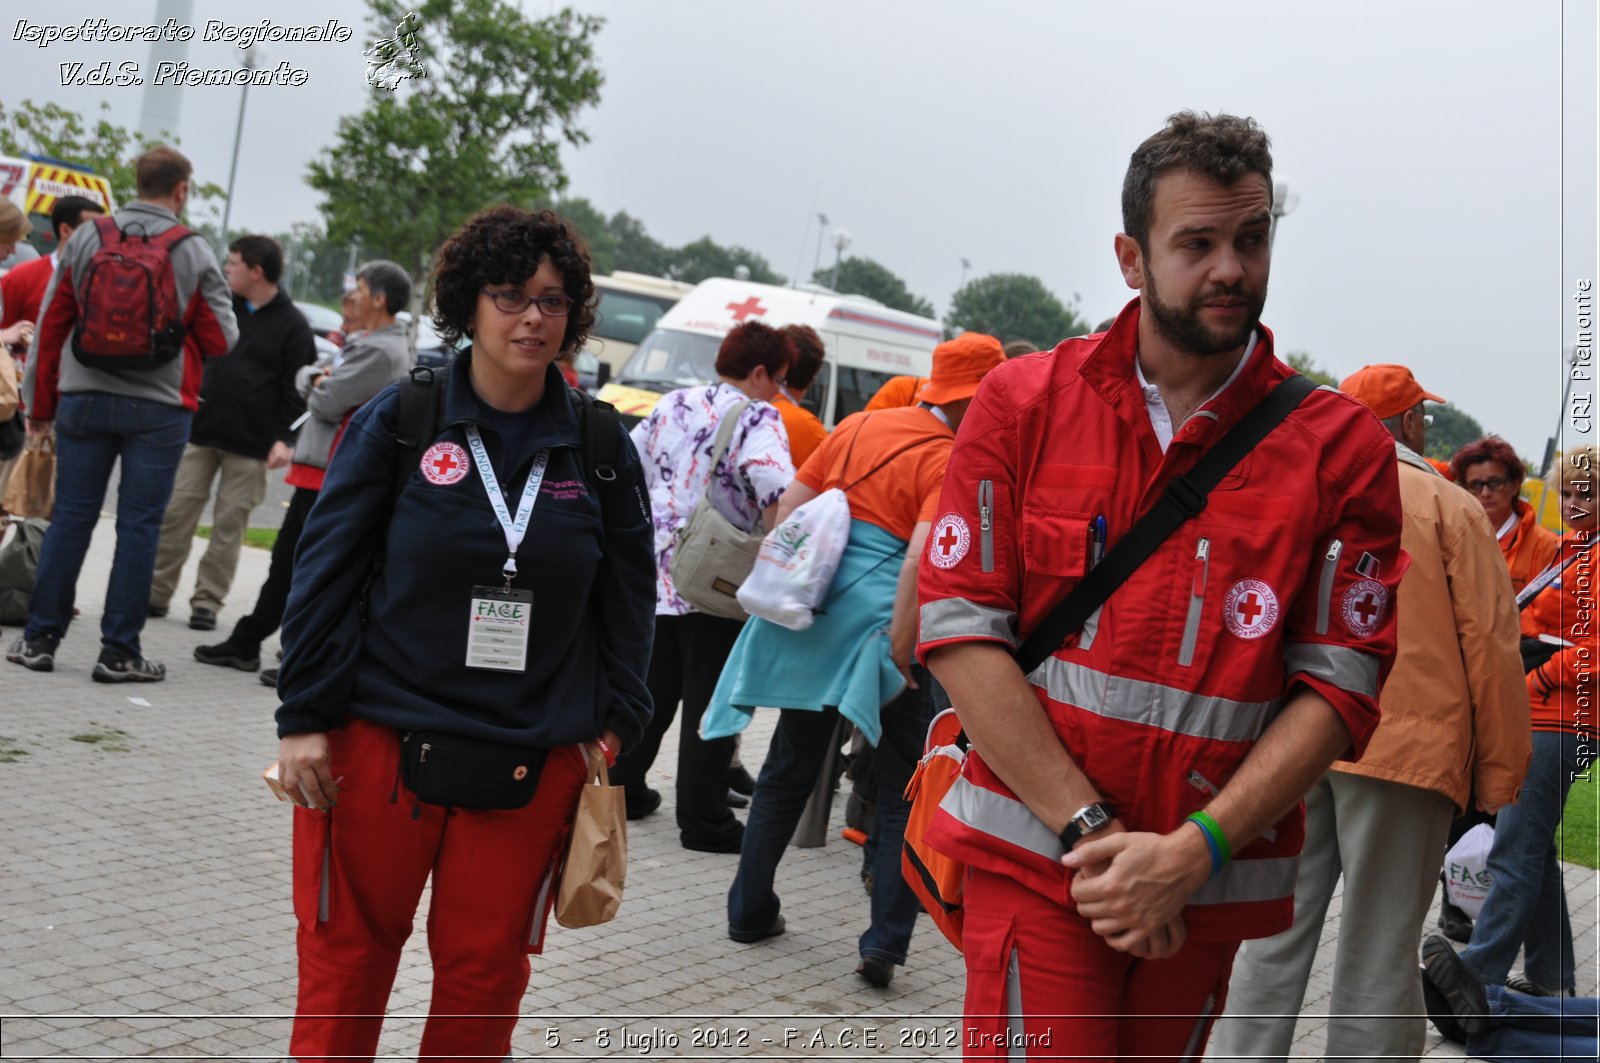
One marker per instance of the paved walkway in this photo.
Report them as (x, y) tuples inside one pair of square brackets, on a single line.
[(144, 899)]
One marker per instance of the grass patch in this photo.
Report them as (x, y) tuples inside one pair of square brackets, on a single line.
[(109, 739), (1579, 836), (260, 538)]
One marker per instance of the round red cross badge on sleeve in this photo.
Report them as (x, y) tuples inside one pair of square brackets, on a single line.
[(950, 541), (1250, 609), (1363, 607), (444, 463)]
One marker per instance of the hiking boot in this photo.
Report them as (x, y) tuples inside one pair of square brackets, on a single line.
[(269, 678), (38, 655), (115, 666), (1463, 993), (157, 611), (1454, 923), (202, 619), (230, 653)]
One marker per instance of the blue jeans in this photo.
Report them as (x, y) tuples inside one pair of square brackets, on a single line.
[(798, 748), (93, 430), (1527, 903), (1523, 1029)]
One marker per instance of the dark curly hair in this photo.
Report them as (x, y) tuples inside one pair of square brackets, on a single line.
[(504, 245), (1489, 448)]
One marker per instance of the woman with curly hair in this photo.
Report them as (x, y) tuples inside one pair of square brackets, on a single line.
[(510, 604)]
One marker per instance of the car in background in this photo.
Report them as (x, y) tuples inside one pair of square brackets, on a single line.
[(323, 320)]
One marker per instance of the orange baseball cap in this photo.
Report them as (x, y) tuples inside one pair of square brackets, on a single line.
[(1386, 390), (958, 365)]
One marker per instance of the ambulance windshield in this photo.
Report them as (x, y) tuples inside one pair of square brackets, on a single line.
[(668, 359)]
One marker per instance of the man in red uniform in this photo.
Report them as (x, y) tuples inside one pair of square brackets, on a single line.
[(1130, 810)]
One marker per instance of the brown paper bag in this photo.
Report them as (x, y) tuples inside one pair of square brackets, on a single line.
[(32, 491), (597, 852)]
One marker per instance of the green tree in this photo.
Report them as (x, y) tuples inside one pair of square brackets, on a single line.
[(637, 250), (105, 147), (1451, 430), (693, 263), (1302, 363), (863, 276), (484, 124), (591, 225), (1013, 306)]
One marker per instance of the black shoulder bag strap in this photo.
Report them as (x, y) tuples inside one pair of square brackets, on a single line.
[(1184, 498), (599, 426), (421, 410)]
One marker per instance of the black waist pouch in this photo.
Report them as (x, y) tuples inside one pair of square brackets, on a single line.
[(460, 772), (1536, 651)]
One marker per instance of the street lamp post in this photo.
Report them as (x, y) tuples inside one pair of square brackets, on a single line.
[(238, 133), (1284, 200), (822, 227), (841, 240), (965, 265)]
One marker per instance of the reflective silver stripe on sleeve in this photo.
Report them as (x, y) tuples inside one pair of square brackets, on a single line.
[(957, 618), (1154, 705), (1000, 817), (1342, 666), (1016, 1032), (1242, 881)]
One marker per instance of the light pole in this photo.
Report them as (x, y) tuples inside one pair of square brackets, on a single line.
[(238, 133), (822, 227), (841, 240), (1284, 200), (965, 265)]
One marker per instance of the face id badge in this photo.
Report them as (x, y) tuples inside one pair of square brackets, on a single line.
[(497, 634)]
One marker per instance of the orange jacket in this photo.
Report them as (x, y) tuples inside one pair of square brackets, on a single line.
[(896, 391), (1529, 548), (805, 431), (1562, 689), (1455, 708)]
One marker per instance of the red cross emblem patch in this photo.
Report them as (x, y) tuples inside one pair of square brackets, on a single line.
[(950, 541), (444, 463), (1250, 609), (1363, 607)]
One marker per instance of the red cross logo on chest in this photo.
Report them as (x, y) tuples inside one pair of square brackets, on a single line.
[(444, 464), (1249, 608), (751, 307)]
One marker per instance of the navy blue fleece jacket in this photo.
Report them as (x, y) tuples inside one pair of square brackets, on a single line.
[(592, 578)]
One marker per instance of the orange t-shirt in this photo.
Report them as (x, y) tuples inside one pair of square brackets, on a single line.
[(805, 430), (916, 445), (896, 391)]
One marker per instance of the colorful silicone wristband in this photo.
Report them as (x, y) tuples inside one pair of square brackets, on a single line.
[(1211, 844), (1222, 852)]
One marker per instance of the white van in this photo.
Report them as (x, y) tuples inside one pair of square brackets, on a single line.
[(630, 306), (867, 343)]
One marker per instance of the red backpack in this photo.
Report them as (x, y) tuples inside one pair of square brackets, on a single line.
[(130, 317)]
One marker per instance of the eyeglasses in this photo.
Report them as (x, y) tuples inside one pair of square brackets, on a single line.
[(1478, 487), (1427, 420), (512, 301)]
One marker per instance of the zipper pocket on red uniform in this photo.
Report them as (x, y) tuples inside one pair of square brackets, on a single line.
[(1197, 598), (986, 524), (1330, 562)]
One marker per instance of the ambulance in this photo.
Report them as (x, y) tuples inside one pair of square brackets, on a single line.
[(630, 306), (35, 182), (867, 343)]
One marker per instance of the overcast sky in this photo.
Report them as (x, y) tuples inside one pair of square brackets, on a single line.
[(1424, 140)]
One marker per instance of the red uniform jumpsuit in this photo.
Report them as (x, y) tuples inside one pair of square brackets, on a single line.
[(1285, 579)]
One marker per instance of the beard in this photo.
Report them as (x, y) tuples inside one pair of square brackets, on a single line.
[(1182, 325)]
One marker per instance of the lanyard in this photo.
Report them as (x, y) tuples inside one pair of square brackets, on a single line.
[(515, 528), (1548, 576)]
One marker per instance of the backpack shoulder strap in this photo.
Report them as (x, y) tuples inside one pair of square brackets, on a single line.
[(172, 237), (599, 427), (109, 232), (1183, 498), (421, 410)]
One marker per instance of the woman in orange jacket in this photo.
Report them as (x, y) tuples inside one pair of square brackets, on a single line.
[(1491, 471), (1526, 907)]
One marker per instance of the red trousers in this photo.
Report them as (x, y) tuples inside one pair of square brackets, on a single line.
[(359, 871), (1041, 984)]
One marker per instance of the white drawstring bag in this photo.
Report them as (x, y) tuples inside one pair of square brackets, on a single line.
[(1466, 868), (797, 562)]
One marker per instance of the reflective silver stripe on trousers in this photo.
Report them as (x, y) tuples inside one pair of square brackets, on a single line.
[(954, 618), (1342, 666), (1017, 1041), (1154, 705), (1010, 820)]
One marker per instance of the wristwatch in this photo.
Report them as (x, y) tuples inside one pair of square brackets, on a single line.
[(1086, 820)]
